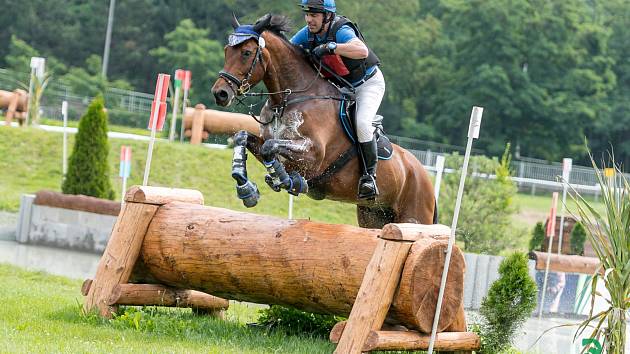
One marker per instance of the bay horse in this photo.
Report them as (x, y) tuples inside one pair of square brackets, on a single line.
[(302, 142)]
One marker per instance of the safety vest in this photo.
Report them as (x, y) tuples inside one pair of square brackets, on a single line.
[(355, 69)]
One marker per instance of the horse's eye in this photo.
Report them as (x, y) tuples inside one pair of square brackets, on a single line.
[(247, 53)]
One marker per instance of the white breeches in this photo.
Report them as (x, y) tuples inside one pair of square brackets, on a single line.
[(369, 97)]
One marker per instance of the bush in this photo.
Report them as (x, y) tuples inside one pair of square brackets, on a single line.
[(538, 236), (509, 303), (88, 168), (294, 321), (485, 219), (578, 237)]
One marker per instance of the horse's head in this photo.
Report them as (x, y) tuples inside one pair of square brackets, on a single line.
[(245, 65)]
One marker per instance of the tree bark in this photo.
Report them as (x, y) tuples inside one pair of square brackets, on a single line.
[(311, 266)]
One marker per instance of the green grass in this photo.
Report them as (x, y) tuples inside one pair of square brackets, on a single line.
[(113, 128), (42, 313), (30, 160)]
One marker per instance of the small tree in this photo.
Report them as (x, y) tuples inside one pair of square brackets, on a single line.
[(578, 236), (538, 236), (485, 221), (88, 168), (509, 303)]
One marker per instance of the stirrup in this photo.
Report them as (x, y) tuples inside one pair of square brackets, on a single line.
[(367, 187)]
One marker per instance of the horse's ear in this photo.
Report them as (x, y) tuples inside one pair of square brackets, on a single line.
[(235, 23), (262, 23)]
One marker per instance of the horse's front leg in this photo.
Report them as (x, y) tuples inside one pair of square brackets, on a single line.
[(278, 178), (246, 190)]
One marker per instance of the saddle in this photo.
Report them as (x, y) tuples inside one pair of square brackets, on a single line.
[(347, 116)]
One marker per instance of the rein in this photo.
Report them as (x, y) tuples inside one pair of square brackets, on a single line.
[(242, 88)]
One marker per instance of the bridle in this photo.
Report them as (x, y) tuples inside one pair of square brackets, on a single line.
[(242, 87)]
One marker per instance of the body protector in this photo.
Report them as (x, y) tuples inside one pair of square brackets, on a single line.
[(352, 70)]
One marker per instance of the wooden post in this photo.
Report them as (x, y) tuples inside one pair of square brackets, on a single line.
[(376, 292), (197, 125), (123, 247)]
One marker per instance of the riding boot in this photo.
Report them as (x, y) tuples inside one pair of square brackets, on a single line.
[(367, 182)]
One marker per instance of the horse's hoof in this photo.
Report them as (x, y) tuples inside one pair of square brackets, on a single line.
[(248, 193)]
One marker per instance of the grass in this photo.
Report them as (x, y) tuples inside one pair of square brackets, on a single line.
[(30, 160), (113, 128), (42, 313)]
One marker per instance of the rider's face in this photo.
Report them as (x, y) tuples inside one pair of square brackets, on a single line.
[(314, 21)]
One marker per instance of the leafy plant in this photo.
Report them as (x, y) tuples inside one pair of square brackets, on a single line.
[(578, 236), (509, 303), (294, 321), (538, 236), (609, 234), (88, 168), (485, 224)]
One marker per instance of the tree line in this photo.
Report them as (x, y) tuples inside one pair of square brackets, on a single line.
[(549, 74)]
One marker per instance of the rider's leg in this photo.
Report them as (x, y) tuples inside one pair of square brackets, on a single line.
[(369, 97)]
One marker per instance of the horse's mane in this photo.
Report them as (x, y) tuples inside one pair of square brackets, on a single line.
[(277, 24)]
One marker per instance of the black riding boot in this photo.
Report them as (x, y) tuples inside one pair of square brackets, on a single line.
[(367, 182)]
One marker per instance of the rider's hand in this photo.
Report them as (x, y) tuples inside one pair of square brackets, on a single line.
[(322, 50)]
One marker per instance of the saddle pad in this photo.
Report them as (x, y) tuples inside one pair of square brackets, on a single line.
[(385, 150)]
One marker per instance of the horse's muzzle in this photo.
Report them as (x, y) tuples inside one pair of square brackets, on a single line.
[(222, 96)]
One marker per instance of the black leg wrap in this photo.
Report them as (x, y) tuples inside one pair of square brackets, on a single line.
[(248, 193), (239, 159), (278, 178)]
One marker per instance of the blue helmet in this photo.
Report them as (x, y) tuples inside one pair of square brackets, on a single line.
[(321, 6)]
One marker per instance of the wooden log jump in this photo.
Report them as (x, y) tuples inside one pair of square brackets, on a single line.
[(566, 263), (16, 105), (168, 238), (200, 122)]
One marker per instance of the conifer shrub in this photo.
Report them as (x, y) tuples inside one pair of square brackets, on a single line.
[(88, 167), (538, 236), (578, 237)]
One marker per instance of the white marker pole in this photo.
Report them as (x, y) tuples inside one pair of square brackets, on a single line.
[(566, 175), (551, 230), (473, 133), (64, 164), (290, 206), (439, 167)]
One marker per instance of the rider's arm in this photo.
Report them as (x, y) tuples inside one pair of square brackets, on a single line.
[(355, 49), (349, 45), (301, 37)]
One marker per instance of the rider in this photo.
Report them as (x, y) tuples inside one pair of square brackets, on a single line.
[(333, 37)]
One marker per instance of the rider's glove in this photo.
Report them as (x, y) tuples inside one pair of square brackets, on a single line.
[(323, 49)]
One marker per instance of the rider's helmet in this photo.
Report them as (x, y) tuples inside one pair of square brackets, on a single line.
[(321, 6)]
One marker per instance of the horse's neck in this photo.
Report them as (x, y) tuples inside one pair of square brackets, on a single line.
[(288, 70)]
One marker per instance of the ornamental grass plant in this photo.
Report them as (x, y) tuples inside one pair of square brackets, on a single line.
[(609, 234)]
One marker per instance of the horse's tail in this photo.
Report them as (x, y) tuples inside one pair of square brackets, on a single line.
[(435, 213)]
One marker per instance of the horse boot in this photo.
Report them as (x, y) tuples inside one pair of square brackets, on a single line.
[(367, 183)]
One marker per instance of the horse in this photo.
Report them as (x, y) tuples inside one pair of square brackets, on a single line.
[(302, 142)]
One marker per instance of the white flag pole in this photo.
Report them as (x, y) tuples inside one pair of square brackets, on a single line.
[(439, 166), (64, 164), (473, 133), (566, 175)]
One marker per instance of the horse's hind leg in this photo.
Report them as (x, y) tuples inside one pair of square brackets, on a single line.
[(374, 217), (246, 190)]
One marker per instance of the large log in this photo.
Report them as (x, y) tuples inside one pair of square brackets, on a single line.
[(412, 340), (218, 122), (159, 295), (311, 266), (567, 264), (77, 202)]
